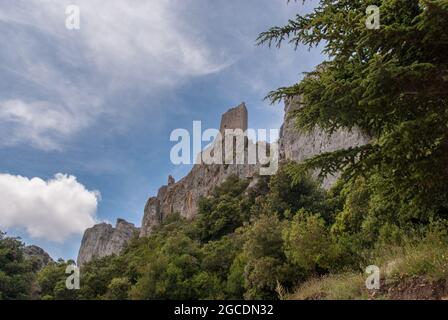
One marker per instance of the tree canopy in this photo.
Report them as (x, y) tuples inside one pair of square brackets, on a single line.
[(389, 82), (17, 275)]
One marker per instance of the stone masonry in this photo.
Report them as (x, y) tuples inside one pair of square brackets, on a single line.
[(236, 118)]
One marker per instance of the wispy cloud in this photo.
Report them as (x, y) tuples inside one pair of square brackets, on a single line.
[(39, 124), (144, 45)]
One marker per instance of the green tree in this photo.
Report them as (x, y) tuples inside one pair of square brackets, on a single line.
[(287, 195), (235, 286), (168, 271), (17, 275), (390, 82), (308, 244), (224, 211), (355, 209), (97, 275), (218, 256), (118, 289), (265, 261), (52, 281)]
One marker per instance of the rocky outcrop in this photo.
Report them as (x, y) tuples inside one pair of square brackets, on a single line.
[(38, 255), (182, 197), (299, 146), (104, 240)]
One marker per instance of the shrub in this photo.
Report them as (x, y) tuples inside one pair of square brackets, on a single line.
[(355, 208), (308, 244), (16, 273), (345, 286), (51, 280), (118, 289), (223, 212), (287, 196)]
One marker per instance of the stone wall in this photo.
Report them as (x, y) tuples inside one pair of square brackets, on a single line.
[(236, 118)]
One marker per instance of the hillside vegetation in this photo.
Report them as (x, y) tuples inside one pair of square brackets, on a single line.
[(278, 240), (289, 239)]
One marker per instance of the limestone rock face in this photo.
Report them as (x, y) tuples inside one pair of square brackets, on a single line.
[(298, 146), (37, 254), (104, 240), (182, 197)]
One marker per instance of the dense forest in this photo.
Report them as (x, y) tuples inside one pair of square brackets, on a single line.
[(287, 238), (280, 239)]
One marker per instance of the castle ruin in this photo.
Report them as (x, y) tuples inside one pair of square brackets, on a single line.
[(183, 196), (236, 118)]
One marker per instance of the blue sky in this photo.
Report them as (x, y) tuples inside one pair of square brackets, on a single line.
[(98, 104)]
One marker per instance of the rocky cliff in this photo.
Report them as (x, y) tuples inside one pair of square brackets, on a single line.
[(299, 146), (104, 240), (37, 255), (183, 196)]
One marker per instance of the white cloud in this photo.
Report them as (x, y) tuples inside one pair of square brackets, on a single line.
[(52, 210)]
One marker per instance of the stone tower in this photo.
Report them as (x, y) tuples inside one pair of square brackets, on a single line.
[(235, 118)]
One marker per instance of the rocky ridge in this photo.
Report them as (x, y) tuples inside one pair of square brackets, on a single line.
[(183, 196), (104, 240), (38, 255)]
